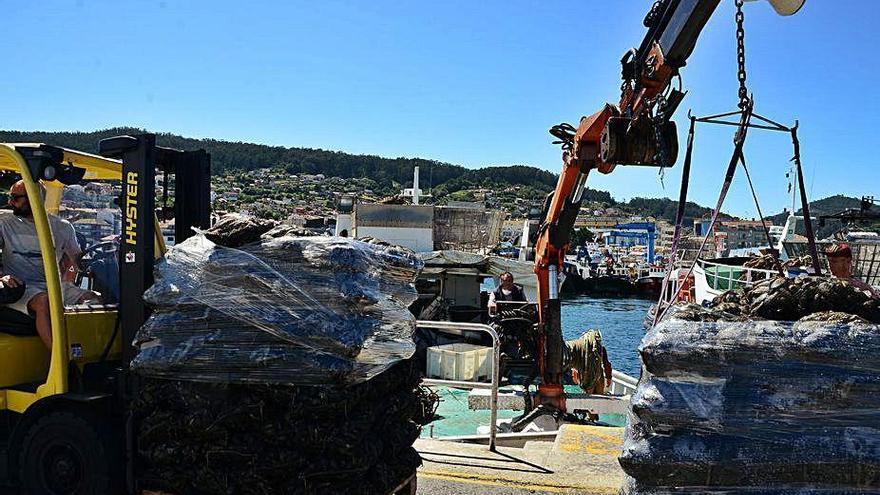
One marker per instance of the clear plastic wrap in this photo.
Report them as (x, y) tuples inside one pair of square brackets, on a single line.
[(755, 407), (290, 310)]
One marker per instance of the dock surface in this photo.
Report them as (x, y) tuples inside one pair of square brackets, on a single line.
[(582, 460)]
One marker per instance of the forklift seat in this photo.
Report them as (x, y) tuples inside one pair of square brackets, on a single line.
[(23, 356)]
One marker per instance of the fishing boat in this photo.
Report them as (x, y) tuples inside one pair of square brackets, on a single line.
[(865, 246), (649, 281), (713, 277), (454, 326), (635, 279)]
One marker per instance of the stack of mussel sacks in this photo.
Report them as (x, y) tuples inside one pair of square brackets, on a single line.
[(769, 390), (274, 363)]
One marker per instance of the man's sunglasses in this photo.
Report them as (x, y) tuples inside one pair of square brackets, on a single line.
[(13, 197)]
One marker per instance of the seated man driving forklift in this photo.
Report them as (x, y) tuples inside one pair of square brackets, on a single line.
[(23, 265), (64, 413)]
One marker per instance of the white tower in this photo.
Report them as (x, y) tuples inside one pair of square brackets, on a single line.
[(416, 185), (415, 193)]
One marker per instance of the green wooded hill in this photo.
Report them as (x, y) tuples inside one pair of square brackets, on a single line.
[(389, 173), (666, 209), (824, 206), (227, 156)]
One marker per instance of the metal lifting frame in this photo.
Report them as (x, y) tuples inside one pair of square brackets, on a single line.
[(771, 125), (746, 115)]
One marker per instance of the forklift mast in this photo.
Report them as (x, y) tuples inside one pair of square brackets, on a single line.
[(138, 242)]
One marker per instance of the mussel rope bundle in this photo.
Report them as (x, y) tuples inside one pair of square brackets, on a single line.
[(585, 356)]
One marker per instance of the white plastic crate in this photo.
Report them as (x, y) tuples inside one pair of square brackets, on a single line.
[(461, 362)]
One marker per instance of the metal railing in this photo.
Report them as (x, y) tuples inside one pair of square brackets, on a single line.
[(632, 272), (733, 276), (622, 384), (496, 360)]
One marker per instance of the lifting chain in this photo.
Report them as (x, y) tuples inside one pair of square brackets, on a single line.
[(741, 56)]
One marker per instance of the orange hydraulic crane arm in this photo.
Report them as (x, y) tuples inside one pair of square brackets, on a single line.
[(637, 131)]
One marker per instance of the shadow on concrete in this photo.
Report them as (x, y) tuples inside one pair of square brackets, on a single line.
[(460, 460)]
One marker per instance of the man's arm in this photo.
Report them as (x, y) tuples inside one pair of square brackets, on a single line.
[(5, 279), (865, 287), (71, 246)]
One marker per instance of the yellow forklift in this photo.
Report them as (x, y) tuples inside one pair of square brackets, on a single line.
[(65, 425)]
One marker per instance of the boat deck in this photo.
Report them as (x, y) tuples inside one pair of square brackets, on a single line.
[(456, 419)]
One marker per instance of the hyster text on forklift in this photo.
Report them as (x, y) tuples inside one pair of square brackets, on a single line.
[(65, 426)]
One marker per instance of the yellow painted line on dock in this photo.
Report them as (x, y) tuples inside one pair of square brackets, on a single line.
[(476, 479)]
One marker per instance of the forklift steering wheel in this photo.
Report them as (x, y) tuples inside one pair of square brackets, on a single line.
[(95, 252)]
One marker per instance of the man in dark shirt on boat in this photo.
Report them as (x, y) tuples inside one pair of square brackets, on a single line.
[(507, 292)]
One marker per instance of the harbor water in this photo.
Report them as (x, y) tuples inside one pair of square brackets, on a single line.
[(619, 319)]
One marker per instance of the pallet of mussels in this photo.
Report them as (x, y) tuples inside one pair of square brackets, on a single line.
[(278, 364), (733, 402)]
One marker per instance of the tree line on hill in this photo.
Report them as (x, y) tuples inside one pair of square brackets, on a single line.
[(667, 209), (389, 173), (228, 155)]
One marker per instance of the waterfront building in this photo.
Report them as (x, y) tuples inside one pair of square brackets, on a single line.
[(742, 234), (632, 234), (599, 223), (665, 235)]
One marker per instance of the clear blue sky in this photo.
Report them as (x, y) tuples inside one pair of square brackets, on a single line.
[(469, 82)]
